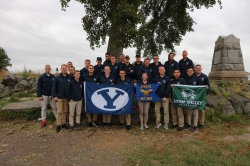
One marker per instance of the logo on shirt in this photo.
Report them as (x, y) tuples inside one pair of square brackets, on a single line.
[(164, 81), (172, 64), (110, 80), (95, 79), (109, 99), (202, 78), (178, 83), (116, 67), (68, 80), (80, 86), (52, 79), (187, 63), (194, 82), (102, 70)]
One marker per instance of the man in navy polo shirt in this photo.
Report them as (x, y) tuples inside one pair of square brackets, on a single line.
[(155, 66), (98, 68), (107, 60), (84, 71), (184, 64), (114, 67), (128, 68), (171, 65), (146, 68), (137, 66)]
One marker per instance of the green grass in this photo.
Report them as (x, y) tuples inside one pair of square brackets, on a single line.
[(191, 152)]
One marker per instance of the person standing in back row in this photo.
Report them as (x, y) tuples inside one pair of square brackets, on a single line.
[(44, 86), (171, 65), (58, 92), (184, 64)]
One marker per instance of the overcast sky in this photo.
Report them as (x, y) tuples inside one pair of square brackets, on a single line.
[(38, 32)]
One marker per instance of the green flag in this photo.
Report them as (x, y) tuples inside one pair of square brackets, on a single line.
[(190, 97)]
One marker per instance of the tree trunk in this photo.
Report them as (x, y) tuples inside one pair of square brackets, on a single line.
[(114, 51)]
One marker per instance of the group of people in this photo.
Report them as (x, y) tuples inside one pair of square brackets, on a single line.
[(65, 91)]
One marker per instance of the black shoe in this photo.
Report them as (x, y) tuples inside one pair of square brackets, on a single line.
[(95, 124), (188, 127), (65, 126), (179, 128), (201, 126), (173, 126), (58, 128), (121, 124), (90, 124), (71, 128), (128, 127), (78, 126), (104, 124)]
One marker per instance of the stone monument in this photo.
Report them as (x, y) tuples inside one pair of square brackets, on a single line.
[(227, 60)]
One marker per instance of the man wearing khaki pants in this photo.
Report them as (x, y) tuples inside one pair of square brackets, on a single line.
[(74, 94), (163, 91), (58, 92)]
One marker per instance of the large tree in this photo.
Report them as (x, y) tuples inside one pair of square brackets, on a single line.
[(4, 60), (148, 25)]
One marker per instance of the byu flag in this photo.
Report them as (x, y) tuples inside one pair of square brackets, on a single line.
[(190, 97), (109, 98), (146, 92)]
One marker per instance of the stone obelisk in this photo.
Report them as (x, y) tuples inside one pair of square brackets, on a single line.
[(227, 60)]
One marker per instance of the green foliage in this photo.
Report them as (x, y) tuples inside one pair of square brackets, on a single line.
[(26, 114), (4, 60), (150, 25), (191, 152)]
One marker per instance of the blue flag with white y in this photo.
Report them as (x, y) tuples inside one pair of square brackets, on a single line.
[(108, 98), (146, 92)]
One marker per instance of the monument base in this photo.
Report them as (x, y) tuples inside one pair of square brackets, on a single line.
[(229, 75)]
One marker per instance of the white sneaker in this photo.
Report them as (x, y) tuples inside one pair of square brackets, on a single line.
[(146, 126), (40, 119), (142, 127), (166, 126), (157, 126)]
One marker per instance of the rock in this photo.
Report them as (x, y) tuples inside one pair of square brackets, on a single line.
[(18, 78), (5, 91), (239, 103), (9, 80), (247, 109), (228, 109), (24, 85), (213, 101), (20, 106), (32, 82)]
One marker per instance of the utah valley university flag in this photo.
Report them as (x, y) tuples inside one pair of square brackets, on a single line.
[(190, 97), (108, 98)]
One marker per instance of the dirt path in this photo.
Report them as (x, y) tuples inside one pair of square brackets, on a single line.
[(26, 143)]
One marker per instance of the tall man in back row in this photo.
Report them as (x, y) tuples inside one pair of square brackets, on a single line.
[(44, 86), (184, 64), (203, 80)]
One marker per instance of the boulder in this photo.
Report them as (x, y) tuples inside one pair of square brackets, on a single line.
[(9, 80), (239, 103), (247, 109), (5, 91), (228, 109), (20, 106), (32, 82), (24, 85), (213, 101), (18, 78)]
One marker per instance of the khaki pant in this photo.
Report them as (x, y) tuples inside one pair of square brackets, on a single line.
[(44, 103), (201, 117), (177, 115), (89, 116), (75, 106), (189, 116), (106, 118), (62, 108), (165, 105), (143, 111), (123, 117)]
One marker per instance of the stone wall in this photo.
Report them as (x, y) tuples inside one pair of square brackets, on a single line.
[(12, 83)]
